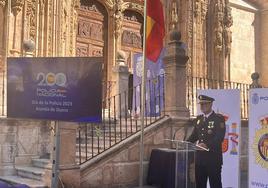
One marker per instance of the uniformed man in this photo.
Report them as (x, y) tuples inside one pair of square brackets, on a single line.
[(209, 131)]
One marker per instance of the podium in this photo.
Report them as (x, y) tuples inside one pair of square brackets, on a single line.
[(173, 167)]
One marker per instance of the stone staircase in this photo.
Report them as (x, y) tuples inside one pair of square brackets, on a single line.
[(38, 173), (110, 134), (35, 175)]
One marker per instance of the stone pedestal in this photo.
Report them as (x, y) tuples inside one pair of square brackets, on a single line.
[(121, 98), (69, 170), (28, 54), (175, 77)]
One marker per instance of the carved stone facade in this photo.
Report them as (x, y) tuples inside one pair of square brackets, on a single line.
[(101, 28)]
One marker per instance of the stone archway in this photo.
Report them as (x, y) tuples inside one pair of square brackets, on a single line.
[(132, 32), (131, 42), (92, 32)]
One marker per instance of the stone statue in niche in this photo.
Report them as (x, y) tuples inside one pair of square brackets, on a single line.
[(174, 14), (119, 16), (219, 10), (228, 19), (228, 40), (218, 37), (228, 22)]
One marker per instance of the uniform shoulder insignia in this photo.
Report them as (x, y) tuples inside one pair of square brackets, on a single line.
[(221, 117)]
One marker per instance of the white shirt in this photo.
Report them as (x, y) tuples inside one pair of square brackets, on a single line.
[(207, 115)]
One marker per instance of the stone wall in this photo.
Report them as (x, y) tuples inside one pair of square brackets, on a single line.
[(244, 28), (20, 141), (120, 167)]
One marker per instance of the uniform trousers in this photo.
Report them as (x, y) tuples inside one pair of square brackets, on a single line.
[(205, 172)]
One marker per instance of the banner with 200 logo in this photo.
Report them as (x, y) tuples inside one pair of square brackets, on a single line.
[(67, 89)]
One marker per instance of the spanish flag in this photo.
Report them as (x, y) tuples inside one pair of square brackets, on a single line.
[(155, 30)]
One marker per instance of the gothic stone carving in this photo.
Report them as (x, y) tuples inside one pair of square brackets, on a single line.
[(174, 15), (132, 39), (90, 30), (16, 6), (81, 51), (228, 22), (204, 9), (31, 14), (218, 26), (2, 3), (218, 37)]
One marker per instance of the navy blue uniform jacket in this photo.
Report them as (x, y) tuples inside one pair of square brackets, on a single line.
[(211, 132)]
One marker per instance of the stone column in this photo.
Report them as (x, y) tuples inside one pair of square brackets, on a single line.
[(175, 78), (264, 46), (16, 7), (2, 31), (69, 170), (121, 90)]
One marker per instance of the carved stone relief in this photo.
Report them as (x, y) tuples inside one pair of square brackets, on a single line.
[(16, 6), (90, 31), (132, 39), (228, 22), (219, 39), (81, 51), (2, 3), (31, 15)]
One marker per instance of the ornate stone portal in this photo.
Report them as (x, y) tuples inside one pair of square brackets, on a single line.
[(212, 37), (59, 28)]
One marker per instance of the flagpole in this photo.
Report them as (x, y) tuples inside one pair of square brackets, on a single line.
[(143, 94)]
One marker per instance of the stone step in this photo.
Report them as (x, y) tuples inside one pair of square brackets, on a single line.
[(42, 163), (84, 156), (30, 172), (101, 139), (20, 180), (118, 129)]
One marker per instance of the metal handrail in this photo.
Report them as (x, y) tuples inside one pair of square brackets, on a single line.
[(121, 119)]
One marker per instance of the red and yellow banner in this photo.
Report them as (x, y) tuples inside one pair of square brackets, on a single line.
[(155, 30)]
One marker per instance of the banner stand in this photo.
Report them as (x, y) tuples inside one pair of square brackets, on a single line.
[(55, 155)]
